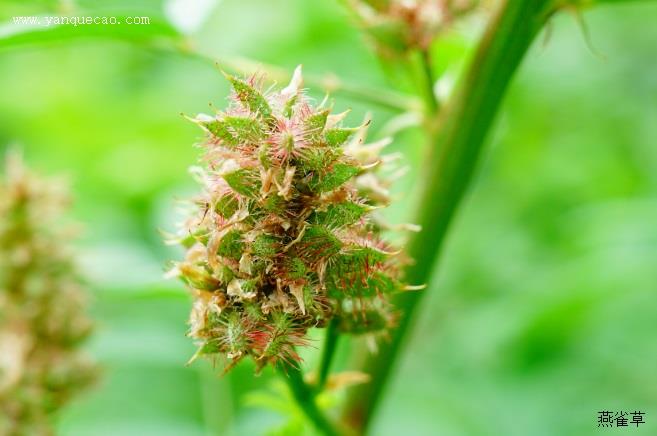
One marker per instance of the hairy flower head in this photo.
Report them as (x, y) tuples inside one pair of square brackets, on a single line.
[(283, 238), (41, 305)]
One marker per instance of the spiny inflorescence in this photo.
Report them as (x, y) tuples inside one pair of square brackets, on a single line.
[(41, 306), (401, 25), (282, 238)]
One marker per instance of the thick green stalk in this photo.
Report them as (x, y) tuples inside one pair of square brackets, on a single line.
[(463, 130), (305, 398)]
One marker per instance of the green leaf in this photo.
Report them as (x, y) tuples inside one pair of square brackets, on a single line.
[(236, 130), (339, 215), (244, 181), (14, 35), (198, 277), (295, 268), (250, 285), (341, 283), (354, 273), (231, 245), (251, 98), (317, 159), (273, 204), (209, 347), (335, 177), (263, 155), (218, 129), (318, 242), (235, 335), (226, 206), (224, 274), (265, 246), (314, 126), (200, 235), (338, 136), (288, 110)]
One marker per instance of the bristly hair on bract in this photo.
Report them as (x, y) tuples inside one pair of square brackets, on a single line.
[(283, 237)]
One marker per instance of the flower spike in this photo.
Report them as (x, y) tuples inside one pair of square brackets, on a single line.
[(284, 238)]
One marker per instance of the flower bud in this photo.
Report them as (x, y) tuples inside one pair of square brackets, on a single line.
[(397, 26)]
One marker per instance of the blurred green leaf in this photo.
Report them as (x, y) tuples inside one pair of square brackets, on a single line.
[(149, 293), (13, 35)]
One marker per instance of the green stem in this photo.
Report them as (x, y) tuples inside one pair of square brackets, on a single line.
[(305, 398), (216, 401), (463, 129), (431, 101), (330, 344)]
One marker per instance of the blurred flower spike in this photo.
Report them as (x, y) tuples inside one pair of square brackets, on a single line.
[(284, 237), (397, 26), (42, 302)]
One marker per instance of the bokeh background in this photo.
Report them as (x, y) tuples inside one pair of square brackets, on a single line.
[(543, 311)]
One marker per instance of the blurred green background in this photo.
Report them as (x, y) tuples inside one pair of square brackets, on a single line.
[(543, 311)]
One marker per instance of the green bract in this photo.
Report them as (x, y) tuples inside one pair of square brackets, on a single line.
[(283, 237)]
